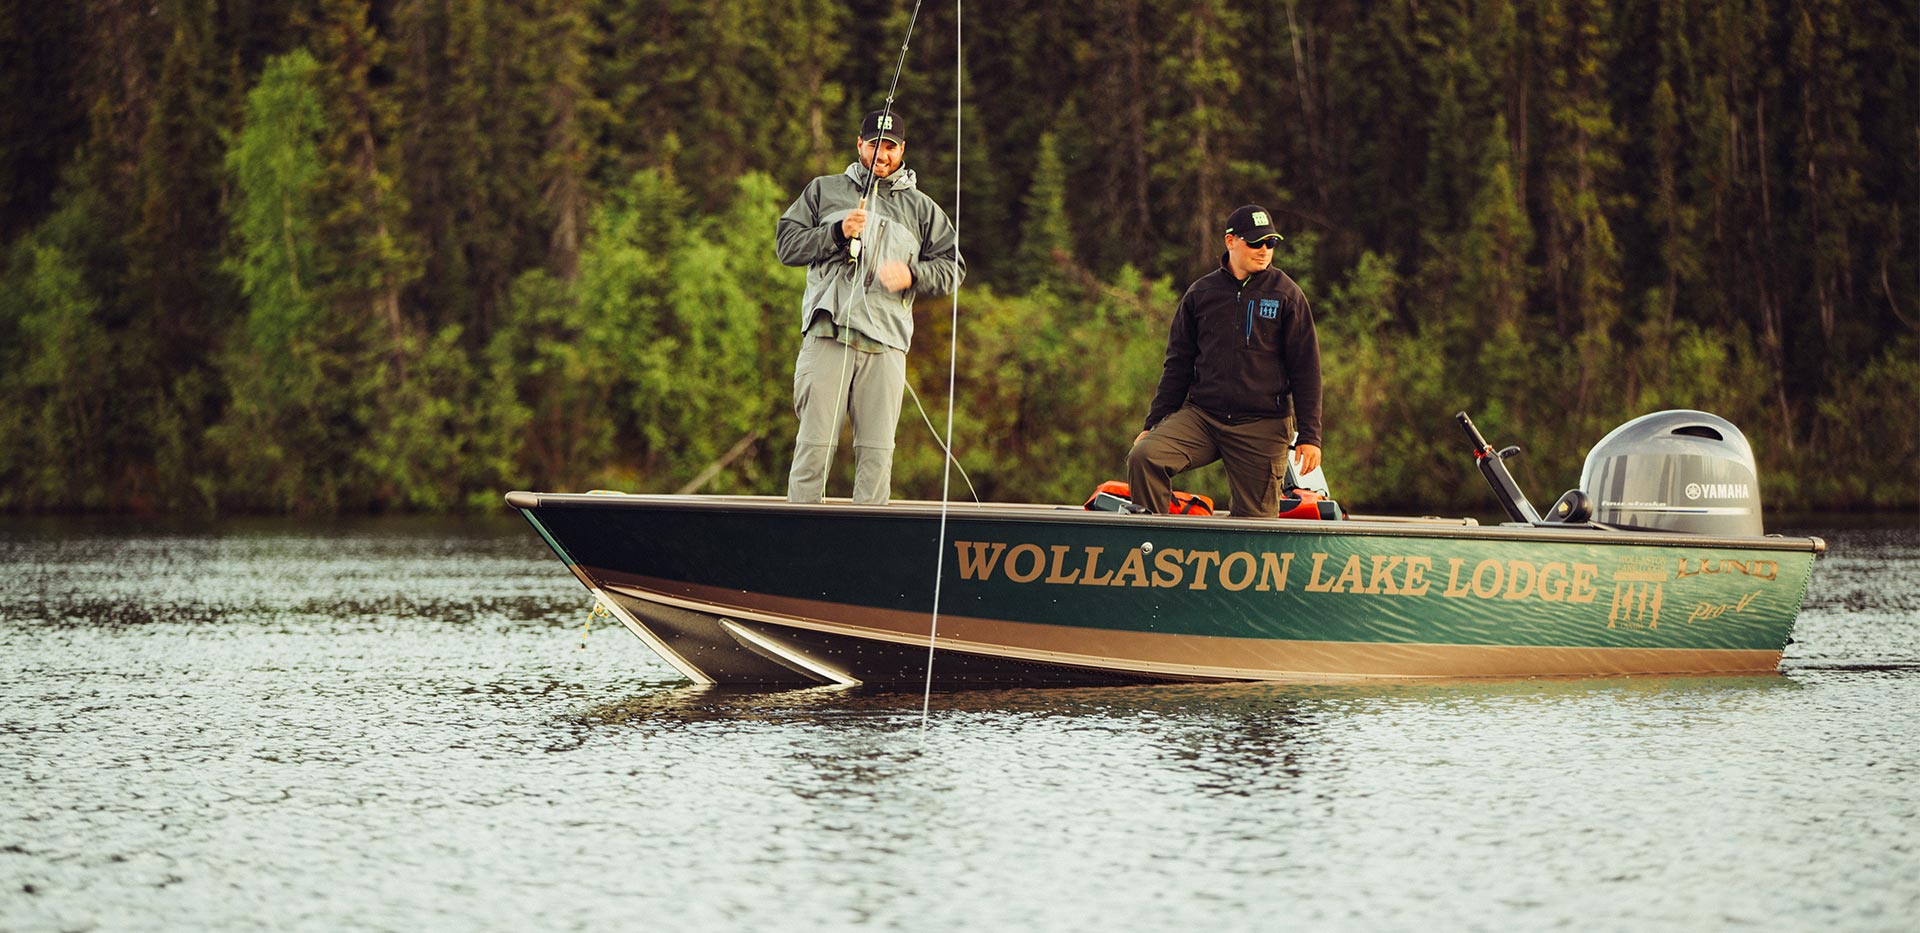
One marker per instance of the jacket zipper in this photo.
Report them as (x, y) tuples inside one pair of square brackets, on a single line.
[(878, 232)]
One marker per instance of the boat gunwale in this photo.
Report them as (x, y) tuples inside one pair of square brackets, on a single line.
[(1040, 513)]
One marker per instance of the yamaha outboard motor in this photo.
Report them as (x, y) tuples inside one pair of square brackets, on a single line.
[(1685, 471), (1682, 471)]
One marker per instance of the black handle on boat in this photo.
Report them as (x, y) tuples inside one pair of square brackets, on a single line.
[(1493, 466), (1480, 445)]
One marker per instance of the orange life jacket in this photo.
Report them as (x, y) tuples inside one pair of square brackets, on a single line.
[(1180, 503)]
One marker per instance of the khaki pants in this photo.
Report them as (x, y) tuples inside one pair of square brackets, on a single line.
[(1255, 453), (834, 384)]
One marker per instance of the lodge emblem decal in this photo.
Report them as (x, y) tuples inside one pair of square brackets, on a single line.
[(1639, 590)]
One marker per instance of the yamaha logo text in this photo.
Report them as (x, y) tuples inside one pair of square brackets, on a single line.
[(1718, 490)]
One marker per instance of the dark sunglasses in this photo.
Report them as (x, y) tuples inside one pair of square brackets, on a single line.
[(1266, 242)]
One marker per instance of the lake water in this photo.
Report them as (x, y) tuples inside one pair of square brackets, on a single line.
[(393, 725)]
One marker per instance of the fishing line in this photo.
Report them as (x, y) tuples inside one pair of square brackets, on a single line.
[(953, 364), (936, 435), (886, 124)]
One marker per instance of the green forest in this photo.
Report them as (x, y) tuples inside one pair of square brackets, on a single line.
[(349, 256)]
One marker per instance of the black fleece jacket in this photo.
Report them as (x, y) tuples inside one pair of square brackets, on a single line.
[(1238, 350)]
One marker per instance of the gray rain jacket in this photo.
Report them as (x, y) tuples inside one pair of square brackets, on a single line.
[(902, 223)]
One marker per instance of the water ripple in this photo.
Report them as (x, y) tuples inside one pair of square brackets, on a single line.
[(376, 725)]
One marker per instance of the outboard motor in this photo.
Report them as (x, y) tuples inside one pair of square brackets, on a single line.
[(1685, 471)]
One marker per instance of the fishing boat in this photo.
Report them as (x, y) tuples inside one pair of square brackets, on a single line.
[(1657, 564)]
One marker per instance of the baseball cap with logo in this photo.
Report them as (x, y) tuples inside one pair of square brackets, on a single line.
[(881, 124), (1252, 223)]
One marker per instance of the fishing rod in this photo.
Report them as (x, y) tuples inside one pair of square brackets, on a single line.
[(886, 123)]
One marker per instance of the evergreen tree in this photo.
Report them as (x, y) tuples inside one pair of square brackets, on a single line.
[(61, 385), (173, 252), (1671, 217), (176, 179), (1737, 148), (1495, 283), (440, 54), (1890, 108), (472, 243), (1105, 130), (624, 317), (1044, 233), (276, 169), (549, 390), (366, 258), (1456, 86), (808, 126), (566, 116), (1194, 136), (1826, 159), (295, 396), (1661, 246), (1376, 85), (1579, 175), (1496, 278)]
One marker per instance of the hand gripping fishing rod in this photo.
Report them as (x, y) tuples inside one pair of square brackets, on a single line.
[(886, 120)]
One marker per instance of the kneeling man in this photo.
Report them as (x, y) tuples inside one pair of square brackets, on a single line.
[(1242, 372)]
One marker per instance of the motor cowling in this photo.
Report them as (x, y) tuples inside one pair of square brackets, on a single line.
[(1684, 471)]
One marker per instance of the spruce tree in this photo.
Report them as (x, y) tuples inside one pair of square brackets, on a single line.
[(181, 239), (288, 424), (367, 255), (1044, 231), (1823, 45), (1579, 174), (1195, 135), (565, 116)]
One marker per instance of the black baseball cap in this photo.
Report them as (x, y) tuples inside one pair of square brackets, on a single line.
[(882, 124), (1252, 223)]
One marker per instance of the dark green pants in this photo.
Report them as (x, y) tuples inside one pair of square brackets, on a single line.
[(1255, 453)]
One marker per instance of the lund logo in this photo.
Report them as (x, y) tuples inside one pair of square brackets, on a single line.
[(1762, 569), (1716, 610), (1718, 490)]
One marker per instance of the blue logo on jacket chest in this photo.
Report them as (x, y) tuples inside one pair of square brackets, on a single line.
[(1268, 308)]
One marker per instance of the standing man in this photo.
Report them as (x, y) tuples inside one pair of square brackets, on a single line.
[(865, 265), (1243, 365)]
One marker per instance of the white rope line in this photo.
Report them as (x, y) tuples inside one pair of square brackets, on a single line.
[(943, 444), (953, 360)]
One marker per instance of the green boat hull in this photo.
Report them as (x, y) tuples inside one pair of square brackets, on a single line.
[(750, 590)]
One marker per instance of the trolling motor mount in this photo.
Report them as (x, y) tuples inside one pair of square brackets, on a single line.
[(1493, 466)]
